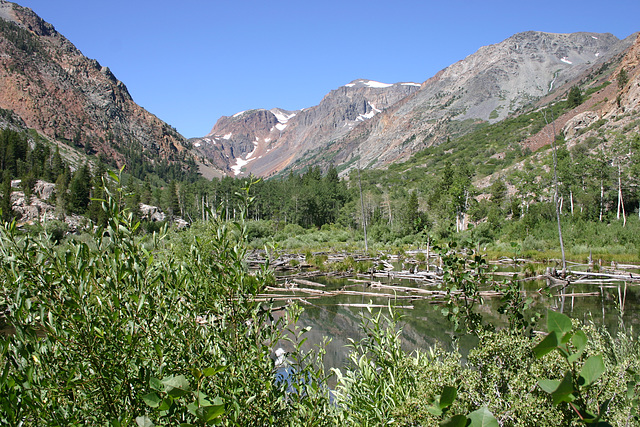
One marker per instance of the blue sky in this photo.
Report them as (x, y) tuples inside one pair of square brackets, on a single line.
[(190, 62)]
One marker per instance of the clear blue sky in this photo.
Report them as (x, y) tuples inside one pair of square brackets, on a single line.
[(192, 61)]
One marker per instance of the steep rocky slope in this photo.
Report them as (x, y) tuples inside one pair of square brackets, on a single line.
[(59, 92), (494, 82), (489, 85), (264, 142)]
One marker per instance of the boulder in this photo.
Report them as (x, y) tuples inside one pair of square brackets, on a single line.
[(579, 122)]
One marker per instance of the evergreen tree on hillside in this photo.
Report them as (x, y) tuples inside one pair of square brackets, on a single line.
[(411, 218), (623, 78), (57, 165), (5, 201), (575, 97), (172, 203), (80, 190)]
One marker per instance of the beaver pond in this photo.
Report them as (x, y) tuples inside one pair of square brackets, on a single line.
[(333, 301)]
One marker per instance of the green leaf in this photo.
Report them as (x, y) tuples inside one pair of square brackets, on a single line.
[(482, 418), (434, 410), (208, 372), (156, 384), (564, 392), (144, 421), (210, 413), (115, 177), (549, 386), (152, 399), (591, 371), (547, 345), (558, 322), (177, 385), (456, 421), (166, 403), (447, 397), (579, 340)]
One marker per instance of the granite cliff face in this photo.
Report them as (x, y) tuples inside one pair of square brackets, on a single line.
[(489, 85), (264, 142), (366, 121), (59, 92)]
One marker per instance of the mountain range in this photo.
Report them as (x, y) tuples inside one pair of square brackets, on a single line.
[(378, 124), (50, 86)]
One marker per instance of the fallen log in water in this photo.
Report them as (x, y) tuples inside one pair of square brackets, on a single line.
[(627, 278), (424, 276), (367, 294), (308, 283), (593, 281), (268, 297), (580, 294), (405, 288), (303, 290), (374, 306)]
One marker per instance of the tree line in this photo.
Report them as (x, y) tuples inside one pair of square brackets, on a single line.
[(595, 184)]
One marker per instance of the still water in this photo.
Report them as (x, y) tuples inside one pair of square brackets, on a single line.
[(612, 305)]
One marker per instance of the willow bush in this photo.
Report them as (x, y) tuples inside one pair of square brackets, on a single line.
[(115, 330)]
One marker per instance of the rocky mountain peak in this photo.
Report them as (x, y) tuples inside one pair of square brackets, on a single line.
[(66, 96), (266, 141), (26, 18), (386, 123), (487, 86)]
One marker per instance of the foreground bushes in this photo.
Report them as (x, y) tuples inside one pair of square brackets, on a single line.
[(115, 330), (121, 332), (501, 373)]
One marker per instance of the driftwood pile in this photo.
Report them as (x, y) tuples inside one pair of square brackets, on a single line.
[(295, 284)]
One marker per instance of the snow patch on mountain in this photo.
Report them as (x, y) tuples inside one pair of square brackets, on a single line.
[(370, 114), (240, 162), (237, 168), (377, 85), (369, 83), (282, 118)]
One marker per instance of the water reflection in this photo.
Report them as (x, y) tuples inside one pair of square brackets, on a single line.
[(337, 317)]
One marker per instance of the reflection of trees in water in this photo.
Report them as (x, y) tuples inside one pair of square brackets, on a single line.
[(424, 326)]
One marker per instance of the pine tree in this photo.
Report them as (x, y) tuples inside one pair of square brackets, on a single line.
[(171, 199), (575, 97), (80, 190), (5, 201), (57, 165), (623, 78), (411, 215)]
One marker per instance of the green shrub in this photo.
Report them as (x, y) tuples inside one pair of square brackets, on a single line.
[(116, 330)]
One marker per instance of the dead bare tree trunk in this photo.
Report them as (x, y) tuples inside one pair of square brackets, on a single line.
[(364, 219), (601, 199), (620, 201), (555, 186)]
